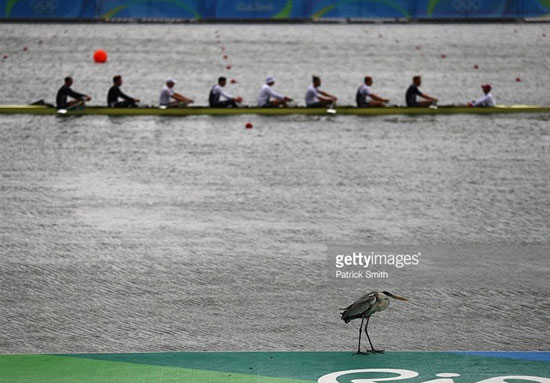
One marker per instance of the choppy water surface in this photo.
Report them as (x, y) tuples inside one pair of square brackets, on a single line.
[(152, 233)]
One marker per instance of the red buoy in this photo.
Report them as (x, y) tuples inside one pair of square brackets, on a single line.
[(417, 47), (443, 56), (233, 81), (5, 57), (249, 125), (476, 66), (518, 79), (228, 67), (225, 57), (100, 56), (25, 48)]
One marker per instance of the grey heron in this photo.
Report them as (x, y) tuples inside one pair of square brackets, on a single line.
[(364, 307)]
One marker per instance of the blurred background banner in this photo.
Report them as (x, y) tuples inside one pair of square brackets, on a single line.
[(272, 9)]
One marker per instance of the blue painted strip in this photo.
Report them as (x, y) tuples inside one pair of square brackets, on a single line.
[(539, 356)]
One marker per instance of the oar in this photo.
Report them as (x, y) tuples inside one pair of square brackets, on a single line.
[(332, 108), (64, 111)]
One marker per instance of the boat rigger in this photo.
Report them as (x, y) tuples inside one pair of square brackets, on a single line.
[(341, 110)]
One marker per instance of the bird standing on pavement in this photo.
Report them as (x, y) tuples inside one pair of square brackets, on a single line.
[(364, 307)]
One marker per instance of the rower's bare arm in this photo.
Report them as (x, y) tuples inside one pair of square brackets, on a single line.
[(378, 98), (329, 96), (428, 97), (182, 98)]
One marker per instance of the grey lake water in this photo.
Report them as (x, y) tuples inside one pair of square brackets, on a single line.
[(184, 234)]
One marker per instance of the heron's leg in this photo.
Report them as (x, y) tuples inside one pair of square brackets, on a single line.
[(368, 337), (360, 331)]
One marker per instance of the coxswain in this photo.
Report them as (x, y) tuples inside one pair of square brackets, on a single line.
[(486, 100)]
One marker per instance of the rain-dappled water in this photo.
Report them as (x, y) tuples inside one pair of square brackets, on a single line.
[(155, 233)]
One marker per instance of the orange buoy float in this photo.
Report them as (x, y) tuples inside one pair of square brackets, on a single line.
[(249, 125), (100, 56)]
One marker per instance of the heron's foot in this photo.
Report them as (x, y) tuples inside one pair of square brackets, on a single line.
[(360, 353), (376, 351)]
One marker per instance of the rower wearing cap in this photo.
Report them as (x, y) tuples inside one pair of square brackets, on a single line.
[(413, 92), (316, 98), (217, 92), (269, 98), (168, 93), (65, 92), (486, 100), (115, 93), (364, 96)]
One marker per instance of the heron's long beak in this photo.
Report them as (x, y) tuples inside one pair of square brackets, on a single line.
[(400, 298)]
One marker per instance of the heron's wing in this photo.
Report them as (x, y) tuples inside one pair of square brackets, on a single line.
[(359, 307)]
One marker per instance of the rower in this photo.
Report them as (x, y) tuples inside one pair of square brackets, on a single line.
[(413, 92), (65, 91), (364, 96), (168, 94), (115, 93), (269, 98), (486, 100), (217, 92), (316, 98)]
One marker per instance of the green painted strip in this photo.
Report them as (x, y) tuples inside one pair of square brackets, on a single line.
[(63, 369), (285, 12), (9, 6), (108, 15), (431, 7), (320, 13)]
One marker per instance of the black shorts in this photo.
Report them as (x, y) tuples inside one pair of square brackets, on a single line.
[(268, 104), (315, 105)]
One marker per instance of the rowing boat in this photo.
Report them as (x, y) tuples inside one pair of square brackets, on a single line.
[(344, 110)]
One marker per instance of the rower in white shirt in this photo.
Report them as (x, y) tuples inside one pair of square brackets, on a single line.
[(486, 100), (169, 98), (316, 98), (217, 92), (364, 96), (269, 98)]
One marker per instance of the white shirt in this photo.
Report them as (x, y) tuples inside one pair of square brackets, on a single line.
[(218, 91), (266, 93), (364, 90), (485, 100), (166, 95), (312, 95)]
